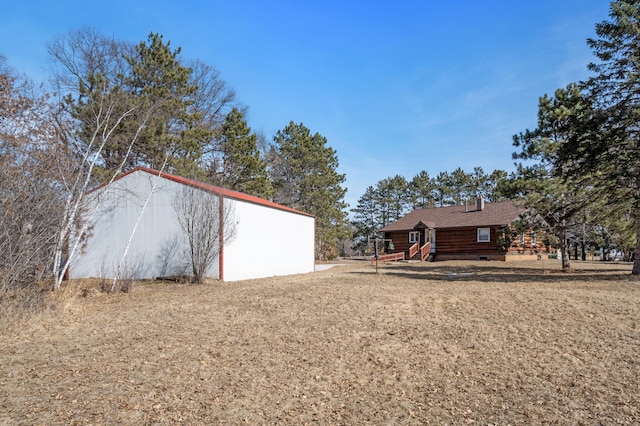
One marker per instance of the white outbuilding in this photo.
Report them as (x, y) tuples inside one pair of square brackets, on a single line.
[(142, 214)]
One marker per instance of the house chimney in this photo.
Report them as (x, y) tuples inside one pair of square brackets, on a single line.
[(480, 203)]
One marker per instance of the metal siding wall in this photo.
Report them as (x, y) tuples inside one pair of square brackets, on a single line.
[(157, 231), (268, 242)]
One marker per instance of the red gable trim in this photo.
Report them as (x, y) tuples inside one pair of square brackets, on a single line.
[(210, 188)]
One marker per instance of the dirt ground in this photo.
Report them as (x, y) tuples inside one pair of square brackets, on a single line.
[(416, 343)]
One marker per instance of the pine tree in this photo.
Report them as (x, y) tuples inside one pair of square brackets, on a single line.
[(460, 184), (443, 189), (367, 218), (421, 188), (159, 78), (496, 184), (393, 198), (479, 183), (607, 149), (180, 106), (239, 165), (557, 200)]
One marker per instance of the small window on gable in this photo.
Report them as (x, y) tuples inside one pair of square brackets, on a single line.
[(483, 235), (413, 236)]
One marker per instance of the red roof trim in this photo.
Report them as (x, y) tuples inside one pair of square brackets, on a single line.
[(209, 188)]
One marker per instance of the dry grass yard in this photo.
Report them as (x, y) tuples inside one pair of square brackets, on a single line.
[(432, 343)]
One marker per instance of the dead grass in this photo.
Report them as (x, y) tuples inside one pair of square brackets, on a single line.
[(431, 343), (21, 305)]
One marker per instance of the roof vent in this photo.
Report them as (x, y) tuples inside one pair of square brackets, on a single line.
[(480, 203)]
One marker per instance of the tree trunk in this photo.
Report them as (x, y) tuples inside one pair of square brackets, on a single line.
[(636, 261), (118, 272), (564, 253)]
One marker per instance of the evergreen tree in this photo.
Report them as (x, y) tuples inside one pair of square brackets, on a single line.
[(557, 200), (393, 198), (607, 150), (367, 218), (421, 190), (479, 183), (179, 107), (496, 183), (460, 184), (239, 165), (159, 78), (305, 177), (442, 191)]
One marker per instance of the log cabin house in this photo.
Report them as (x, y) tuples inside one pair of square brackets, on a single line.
[(482, 231)]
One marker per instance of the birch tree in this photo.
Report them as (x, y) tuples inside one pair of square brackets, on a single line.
[(121, 264), (106, 121), (79, 208)]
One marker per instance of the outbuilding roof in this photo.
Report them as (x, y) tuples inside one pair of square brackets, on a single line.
[(493, 214), (210, 188)]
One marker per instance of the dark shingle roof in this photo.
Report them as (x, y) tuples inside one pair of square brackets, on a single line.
[(493, 214)]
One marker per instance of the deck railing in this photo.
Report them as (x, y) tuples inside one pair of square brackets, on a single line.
[(425, 250), (393, 257), (413, 250)]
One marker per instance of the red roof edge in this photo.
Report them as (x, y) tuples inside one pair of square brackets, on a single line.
[(236, 195)]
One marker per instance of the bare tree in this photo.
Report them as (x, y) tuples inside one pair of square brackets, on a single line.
[(29, 198), (83, 53), (211, 103), (214, 98), (208, 224)]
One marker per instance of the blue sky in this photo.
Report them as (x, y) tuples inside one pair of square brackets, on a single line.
[(395, 87)]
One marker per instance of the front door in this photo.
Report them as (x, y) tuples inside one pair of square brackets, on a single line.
[(432, 238)]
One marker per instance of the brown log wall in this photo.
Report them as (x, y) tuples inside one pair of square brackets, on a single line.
[(401, 242), (465, 241), (462, 243)]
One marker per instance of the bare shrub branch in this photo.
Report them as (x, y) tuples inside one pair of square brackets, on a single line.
[(208, 223)]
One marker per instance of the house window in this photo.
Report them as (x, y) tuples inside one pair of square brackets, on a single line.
[(413, 236), (483, 235), (522, 238), (533, 238)]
